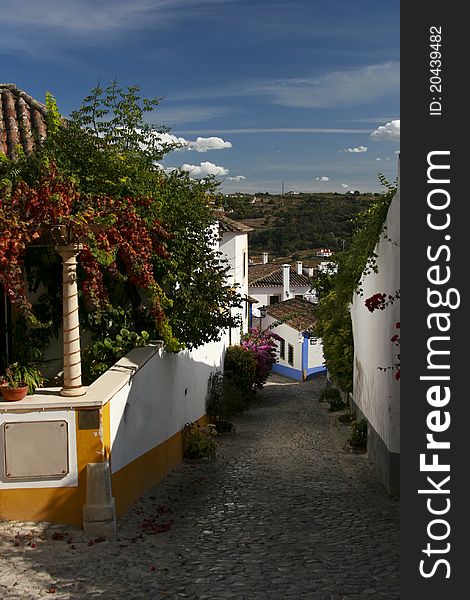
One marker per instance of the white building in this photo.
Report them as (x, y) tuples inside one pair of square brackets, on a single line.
[(233, 244), (270, 283), (300, 351)]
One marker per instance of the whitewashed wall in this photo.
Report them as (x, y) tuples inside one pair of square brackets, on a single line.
[(262, 294), (376, 392), (315, 354), (234, 246), (167, 392), (292, 337)]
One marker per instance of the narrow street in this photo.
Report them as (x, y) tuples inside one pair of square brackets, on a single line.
[(286, 511)]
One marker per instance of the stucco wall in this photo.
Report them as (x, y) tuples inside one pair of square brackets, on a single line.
[(292, 337), (376, 392), (315, 354), (234, 247), (165, 394)]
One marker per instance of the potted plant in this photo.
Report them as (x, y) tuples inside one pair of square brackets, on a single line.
[(19, 380)]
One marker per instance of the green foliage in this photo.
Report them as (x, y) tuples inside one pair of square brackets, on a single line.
[(194, 277), (54, 120), (99, 356), (107, 152), (333, 316), (333, 397), (224, 401), (359, 434), (330, 394), (240, 368), (18, 375), (198, 442), (301, 222)]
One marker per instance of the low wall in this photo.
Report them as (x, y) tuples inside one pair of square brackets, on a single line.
[(132, 416)]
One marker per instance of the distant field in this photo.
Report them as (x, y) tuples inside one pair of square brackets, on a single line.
[(294, 225)]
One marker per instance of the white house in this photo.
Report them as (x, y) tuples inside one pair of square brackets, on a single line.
[(233, 244), (324, 253), (376, 391), (300, 350), (270, 283)]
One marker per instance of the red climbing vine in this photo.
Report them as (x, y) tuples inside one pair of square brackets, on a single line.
[(116, 239), (380, 301)]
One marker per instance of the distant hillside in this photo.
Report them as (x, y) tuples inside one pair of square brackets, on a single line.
[(289, 224)]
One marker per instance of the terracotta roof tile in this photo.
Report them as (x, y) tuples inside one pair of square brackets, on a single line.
[(22, 121), (227, 224), (296, 312), (270, 274)]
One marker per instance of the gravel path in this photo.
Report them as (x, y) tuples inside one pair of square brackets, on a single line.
[(286, 511)]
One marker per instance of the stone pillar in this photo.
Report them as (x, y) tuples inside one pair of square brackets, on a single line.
[(71, 328), (99, 513)]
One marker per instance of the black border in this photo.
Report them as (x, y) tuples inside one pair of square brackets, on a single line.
[(421, 133)]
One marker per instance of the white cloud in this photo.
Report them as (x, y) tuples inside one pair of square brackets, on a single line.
[(202, 144), (389, 131), (277, 130), (322, 178), (204, 169), (344, 185), (168, 139), (358, 149), (338, 88), (236, 178), (89, 16), (172, 115)]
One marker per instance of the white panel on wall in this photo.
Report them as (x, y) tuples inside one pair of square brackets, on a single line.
[(36, 447)]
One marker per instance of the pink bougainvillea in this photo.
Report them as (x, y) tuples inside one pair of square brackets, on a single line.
[(380, 302), (263, 345)]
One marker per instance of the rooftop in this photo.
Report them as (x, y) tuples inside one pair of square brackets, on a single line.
[(270, 275), (22, 121), (227, 224), (295, 312)]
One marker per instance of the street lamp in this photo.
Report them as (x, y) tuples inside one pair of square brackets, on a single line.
[(262, 314)]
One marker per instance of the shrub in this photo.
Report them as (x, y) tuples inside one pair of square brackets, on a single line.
[(198, 442), (330, 394), (263, 347), (223, 401), (240, 368), (359, 434), (102, 355), (333, 397)]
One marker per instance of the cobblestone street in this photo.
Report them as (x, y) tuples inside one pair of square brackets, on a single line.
[(286, 511)]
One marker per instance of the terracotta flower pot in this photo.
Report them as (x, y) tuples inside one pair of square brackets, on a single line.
[(13, 394)]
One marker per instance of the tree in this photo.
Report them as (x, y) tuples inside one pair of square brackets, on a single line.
[(149, 258)]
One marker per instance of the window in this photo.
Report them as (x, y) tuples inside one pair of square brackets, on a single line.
[(274, 299), (282, 348), (300, 296), (290, 354)]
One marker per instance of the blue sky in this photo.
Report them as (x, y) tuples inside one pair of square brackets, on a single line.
[(259, 91)]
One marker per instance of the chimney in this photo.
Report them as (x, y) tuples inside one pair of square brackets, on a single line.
[(264, 258), (285, 281), (299, 267)]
